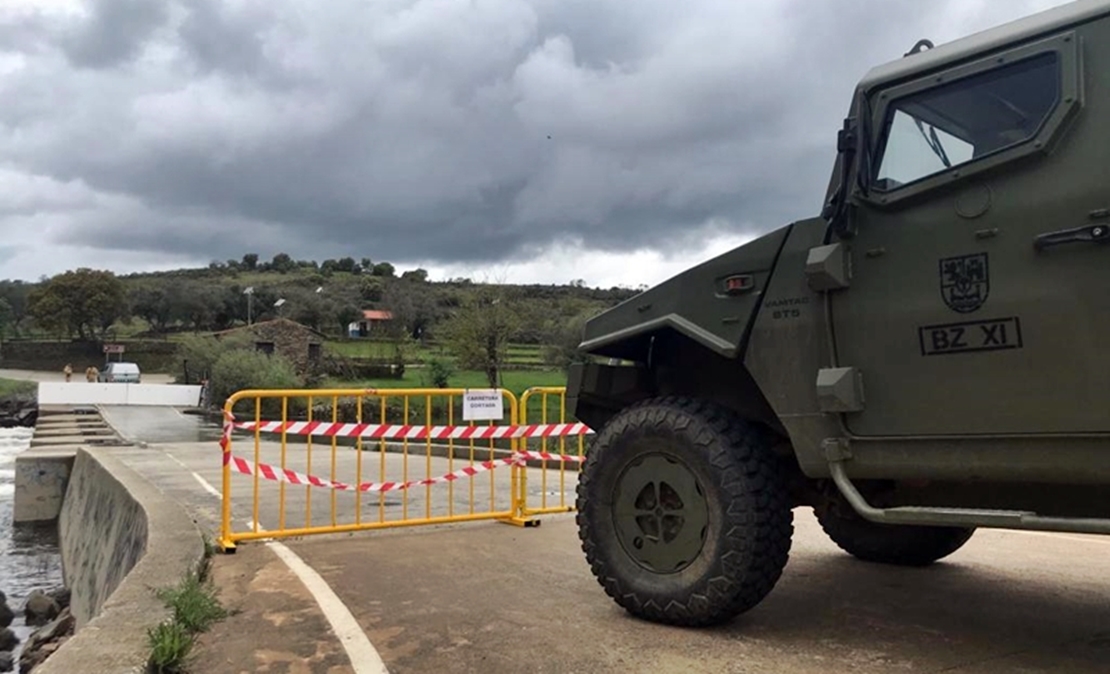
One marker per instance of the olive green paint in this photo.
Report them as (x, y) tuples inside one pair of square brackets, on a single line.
[(933, 335)]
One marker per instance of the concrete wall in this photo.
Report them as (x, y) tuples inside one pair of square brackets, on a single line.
[(40, 483), (121, 539), (103, 534), (84, 393)]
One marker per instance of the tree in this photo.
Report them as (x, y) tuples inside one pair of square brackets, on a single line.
[(346, 264), (418, 275), (478, 335), (383, 269), (154, 303), (371, 288), (562, 340), (345, 315), (283, 264), (196, 303), (82, 302), (413, 307), (250, 261), (5, 315), (16, 294), (229, 305), (308, 308)]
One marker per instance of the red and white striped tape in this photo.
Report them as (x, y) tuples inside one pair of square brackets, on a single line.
[(394, 432), (274, 473), (225, 435), (405, 432)]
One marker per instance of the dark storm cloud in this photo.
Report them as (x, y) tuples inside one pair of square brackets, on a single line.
[(442, 130), (114, 32), (222, 38)]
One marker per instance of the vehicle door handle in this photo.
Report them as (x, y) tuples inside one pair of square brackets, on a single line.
[(1088, 234)]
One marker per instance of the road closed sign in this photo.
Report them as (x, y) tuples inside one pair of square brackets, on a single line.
[(483, 405)]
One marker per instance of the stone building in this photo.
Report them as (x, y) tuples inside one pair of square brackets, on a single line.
[(298, 343)]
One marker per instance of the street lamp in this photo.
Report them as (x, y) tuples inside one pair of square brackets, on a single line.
[(249, 292)]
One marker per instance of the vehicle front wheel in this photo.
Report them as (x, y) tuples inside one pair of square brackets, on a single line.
[(898, 544), (683, 512)]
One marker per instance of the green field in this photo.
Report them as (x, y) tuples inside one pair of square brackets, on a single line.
[(9, 387), (516, 381), (517, 354)]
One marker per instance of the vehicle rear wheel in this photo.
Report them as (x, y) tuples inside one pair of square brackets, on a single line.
[(683, 513), (898, 544)]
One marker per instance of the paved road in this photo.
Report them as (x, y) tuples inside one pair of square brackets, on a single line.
[(150, 424), (494, 598), (191, 443), (41, 375)]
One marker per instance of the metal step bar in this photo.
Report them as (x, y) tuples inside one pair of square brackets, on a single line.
[(961, 517)]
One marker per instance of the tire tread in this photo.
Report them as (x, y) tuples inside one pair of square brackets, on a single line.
[(738, 451)]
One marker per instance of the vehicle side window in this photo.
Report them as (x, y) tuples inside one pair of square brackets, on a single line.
[(952, 124)]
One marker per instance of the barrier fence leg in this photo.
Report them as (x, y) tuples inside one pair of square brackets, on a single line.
[(226, 543), (518, 487)]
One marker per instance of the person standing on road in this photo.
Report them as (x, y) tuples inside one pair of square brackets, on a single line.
[(68, 370), (91, 373)]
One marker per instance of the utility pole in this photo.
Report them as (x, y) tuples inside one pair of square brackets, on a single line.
[(249, 292)]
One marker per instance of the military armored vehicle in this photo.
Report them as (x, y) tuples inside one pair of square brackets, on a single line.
[(928, 356)]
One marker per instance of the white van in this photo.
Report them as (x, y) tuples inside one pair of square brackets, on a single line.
[(121, 372)]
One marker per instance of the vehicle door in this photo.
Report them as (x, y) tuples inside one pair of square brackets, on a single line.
[(962, 316)]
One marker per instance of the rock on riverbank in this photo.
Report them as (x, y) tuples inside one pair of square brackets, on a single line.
[(45, 641), (18, 410), (8, 640), (48, 609)]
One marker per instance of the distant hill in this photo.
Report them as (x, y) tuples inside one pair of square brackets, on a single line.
[(327, 296)]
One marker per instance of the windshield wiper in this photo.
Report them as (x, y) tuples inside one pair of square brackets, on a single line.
[(933, 141)]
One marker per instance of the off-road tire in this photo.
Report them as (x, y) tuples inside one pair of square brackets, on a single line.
[(897, 544), (748, 519)]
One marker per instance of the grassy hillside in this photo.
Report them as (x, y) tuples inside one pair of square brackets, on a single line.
[(535, 324)]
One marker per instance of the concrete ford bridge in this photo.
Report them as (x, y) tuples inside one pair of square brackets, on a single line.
[(484, 596)]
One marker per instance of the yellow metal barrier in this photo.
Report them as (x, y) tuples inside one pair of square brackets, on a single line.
[(390, 458), (548, 405)]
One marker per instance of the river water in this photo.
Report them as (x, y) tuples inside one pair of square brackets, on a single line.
[(29, 556)]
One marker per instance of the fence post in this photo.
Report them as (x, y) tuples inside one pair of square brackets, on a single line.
[(518, 484), (225, 542)]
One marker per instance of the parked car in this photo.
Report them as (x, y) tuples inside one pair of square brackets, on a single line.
[(127, 373)]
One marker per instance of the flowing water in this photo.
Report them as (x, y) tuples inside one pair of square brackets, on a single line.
[(29, 556)]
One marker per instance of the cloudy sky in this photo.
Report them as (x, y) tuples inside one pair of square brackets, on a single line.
[(616, 141)]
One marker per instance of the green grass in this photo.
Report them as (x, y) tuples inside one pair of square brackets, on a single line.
[(516, 381), (170, 645), (194, 608), (371, 348), (517, 354), (193, 603), (11, 387)]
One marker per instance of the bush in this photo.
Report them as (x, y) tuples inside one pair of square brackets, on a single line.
[(363, 368), (237, 370), (563, 339), (194, 603), (440, 372), (200, 353)]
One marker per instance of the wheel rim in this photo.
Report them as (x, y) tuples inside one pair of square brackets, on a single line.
[(660, 513)]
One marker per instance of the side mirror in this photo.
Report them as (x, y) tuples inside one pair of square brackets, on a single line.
[(836, 211)]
